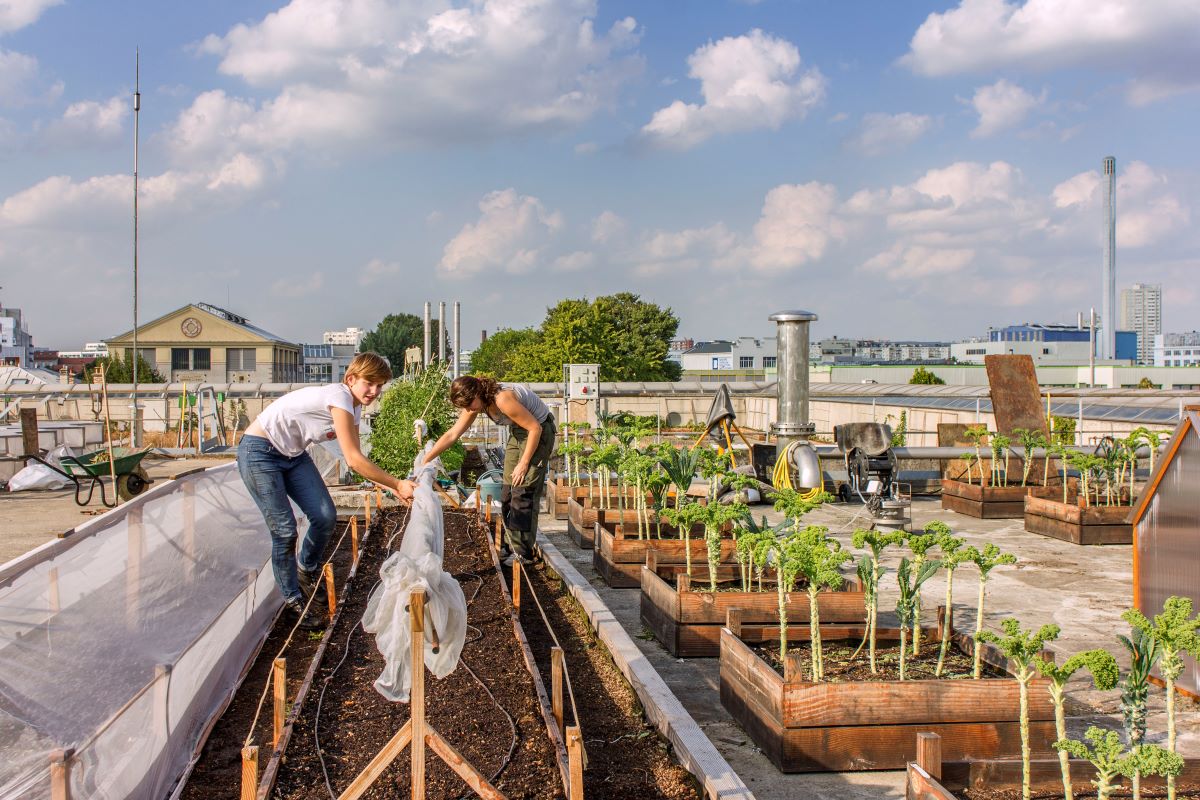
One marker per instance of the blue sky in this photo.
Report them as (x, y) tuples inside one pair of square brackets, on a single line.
[(905, 170)]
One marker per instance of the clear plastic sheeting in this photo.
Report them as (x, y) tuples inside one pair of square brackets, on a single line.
[(119, 643), (417, 564)]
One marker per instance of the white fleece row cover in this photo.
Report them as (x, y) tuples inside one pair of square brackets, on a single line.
[(417, 564)]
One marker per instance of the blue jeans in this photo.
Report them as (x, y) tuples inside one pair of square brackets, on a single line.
[(272, 478)]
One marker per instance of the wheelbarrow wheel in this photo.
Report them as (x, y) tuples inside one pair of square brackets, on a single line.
[(132, 484)]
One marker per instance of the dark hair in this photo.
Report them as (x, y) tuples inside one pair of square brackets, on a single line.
[(468, 388)]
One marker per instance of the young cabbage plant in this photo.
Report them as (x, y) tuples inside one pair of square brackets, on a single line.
[(794, 505), (875, 542), (754, 549), (715, 516), (1059, 451), (680, 465), (999, 444), (1023, 649), (1104, 671), (977, 433), (1103, 749), (1175, 630), (656, 484), (909, 579), (953, 555), (786, 553), (713, 467), (819, 560), (969, 458), (1031, 440), (683, 518), (1144, 652), (986, 560), (920, 544)]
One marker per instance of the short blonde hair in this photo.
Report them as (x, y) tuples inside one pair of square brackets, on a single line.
[(371, 367)]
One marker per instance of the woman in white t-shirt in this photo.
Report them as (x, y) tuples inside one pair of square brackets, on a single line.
[(275, 466)]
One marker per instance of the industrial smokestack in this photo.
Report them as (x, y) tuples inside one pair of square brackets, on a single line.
[(442, 331), (1108, 316), (426, 362), (457, 337)]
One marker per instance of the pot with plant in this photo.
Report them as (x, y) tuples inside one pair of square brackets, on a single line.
[(1099, 512), (997, 496)]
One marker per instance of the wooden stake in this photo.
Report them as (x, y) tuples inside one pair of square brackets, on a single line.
[(249, 773), (279, 684), (379, 763), (516, 584), (354, 540), (462, 767), (499, 533), (378, 497), (929, 754), (29, 432), (416, 605), (488, 513), (330, 592), (575, 763), (60, 774), (556, 684), (367, 507), (55, 605)]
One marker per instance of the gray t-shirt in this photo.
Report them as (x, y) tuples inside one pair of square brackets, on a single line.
[(533, 404)]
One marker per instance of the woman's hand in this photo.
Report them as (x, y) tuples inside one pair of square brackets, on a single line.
[(404, 490), (518, 474)]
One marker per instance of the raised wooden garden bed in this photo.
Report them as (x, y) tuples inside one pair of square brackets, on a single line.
[(558, 492), (1077, 524), (864, 725), (933, 777), (992, 502), (687, 618), (583, 514), (619, 553)]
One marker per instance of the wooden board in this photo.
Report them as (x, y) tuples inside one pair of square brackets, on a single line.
[(1016, 397), (619, 560), (1044, 775)]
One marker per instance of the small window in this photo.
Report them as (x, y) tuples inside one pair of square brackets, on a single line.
[(240, 359), (769, 362), (745, 362), (183, 358)]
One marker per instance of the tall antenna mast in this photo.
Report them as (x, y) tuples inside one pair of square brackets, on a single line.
[(135, 421)]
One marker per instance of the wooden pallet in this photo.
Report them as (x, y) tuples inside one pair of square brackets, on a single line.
[(1073, 523), (687, 618), (839, 727), (991, 502), (619, 554)]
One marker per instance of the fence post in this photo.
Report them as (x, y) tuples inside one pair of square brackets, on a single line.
[(416, 606), (249, 773), (516, 584), (929, 754), (60, 774), (556, 684), (354, 540), (499, 532), (575, 763), (330, 592), (367, 508), (279, 684)]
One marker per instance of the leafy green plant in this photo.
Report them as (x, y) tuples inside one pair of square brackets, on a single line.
[(1030, 440), (900, 435), (683, 517), (752, 550), (819, 559), (1104, 671), (870, 572), (1103, 749), (680, 465), (715, 516), (910, 598), (1144, 652), (1023, 649), (927, 377), (986, 560), (1062, 430), (953, 555), (1175, 631), (920, 544), (421, 394), (969, 457), (977, 433), (999, 444)]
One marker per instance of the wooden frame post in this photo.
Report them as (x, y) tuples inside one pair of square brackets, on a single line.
[(416, 607), (188, 508), (330, 591), (60, 774), (354, 540), (54, 601), (929, 754), (556, 685), (488, 512), (516, 584), (29, 432), (367, 508), (249, 773), (279, 686), (499, 533), (575, 763)]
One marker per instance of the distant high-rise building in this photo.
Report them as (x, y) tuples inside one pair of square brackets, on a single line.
[(351, 336), (16, 343), (1141, 311)]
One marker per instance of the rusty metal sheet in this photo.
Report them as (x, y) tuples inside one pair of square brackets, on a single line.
[(1016, 398), (953, 434)]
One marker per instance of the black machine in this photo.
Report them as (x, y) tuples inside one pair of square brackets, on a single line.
[(867, 450)]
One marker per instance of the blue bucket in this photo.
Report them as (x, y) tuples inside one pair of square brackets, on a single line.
[(489, 484)]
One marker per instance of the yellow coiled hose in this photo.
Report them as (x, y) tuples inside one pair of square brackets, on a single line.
[(781, 477)]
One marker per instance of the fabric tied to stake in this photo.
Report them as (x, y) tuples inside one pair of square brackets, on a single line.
[(417, 564)]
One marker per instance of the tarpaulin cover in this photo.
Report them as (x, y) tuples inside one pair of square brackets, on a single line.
[(120, 642), (417, 564)]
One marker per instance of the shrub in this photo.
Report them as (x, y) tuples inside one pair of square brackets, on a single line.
[(422, 395)]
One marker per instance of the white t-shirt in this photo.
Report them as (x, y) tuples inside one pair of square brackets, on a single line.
[(302, 417)]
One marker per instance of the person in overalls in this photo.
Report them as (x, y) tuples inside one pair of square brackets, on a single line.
[(530, 445)]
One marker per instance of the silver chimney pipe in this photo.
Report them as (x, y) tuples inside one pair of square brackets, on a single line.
[(457, 336), (442, 331), (792, 386), (1108, 316), (427, 309)]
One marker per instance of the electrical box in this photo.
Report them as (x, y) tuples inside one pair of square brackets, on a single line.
[(583, 381)]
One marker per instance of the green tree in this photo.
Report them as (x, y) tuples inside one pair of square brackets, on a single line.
[(495, 356), (395, 333), (627, 336), (926, 377), (117, 370), (422, 395)]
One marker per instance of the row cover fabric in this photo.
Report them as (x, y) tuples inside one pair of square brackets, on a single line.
[(35, 475), (417, 564), (121, 641)]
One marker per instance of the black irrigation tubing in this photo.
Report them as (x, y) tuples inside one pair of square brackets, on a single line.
[(472, 543)]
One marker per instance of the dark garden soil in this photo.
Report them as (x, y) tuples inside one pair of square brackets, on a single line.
[(1184, 791), (218, 773), (840, 668), (626, 757)]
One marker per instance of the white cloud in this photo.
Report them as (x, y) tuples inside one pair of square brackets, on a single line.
[(905, 261), (298, 286), (748, 82), (882, 133), (574, 262), (17, 14), (89, 122), (1147, 210), (378, 270), (1001, 106), (510, 235), (492, 69), (1155, 39), (608, 227), (18, 73), (671, 252), (795, 227)]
